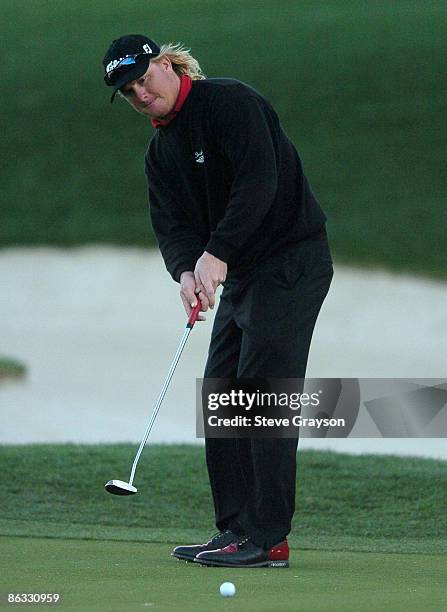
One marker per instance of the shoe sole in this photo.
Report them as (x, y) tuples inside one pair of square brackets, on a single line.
[(261, 564), (182, 557)]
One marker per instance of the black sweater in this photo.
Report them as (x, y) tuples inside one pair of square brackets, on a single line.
[(224, 178)]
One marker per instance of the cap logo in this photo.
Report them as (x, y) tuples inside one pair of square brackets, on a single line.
[(114, 63)]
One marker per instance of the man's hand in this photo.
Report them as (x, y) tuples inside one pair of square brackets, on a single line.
[(188, 293), (209, 273)]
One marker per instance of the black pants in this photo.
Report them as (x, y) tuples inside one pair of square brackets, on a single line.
[(263, 328)]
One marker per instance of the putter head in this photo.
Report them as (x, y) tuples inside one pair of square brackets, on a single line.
[(119, 487)]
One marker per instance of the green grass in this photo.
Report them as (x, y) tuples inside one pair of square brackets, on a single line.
[(346, 503), (369, 533), (357, 86), (11, 368), (118, 576)]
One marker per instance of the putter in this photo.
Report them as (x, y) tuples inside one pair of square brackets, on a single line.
[(120, 487)]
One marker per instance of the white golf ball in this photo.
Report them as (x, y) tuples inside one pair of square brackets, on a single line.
[(227, 589)]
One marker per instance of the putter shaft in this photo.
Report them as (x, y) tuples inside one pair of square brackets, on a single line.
[(159, 401)]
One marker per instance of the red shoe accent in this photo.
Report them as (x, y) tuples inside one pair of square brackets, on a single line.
[(280, 552), (231, 548)]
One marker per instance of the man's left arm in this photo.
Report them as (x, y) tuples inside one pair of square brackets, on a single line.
[(244, 134)]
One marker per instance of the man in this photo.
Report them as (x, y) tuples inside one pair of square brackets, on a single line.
[(230, 205)]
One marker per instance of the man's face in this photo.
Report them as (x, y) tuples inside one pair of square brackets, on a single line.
[(154, 94)]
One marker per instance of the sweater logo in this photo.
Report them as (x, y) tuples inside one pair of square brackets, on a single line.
[(199, 157)]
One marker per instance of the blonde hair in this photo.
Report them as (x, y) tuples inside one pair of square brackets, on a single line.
[(181, 59)]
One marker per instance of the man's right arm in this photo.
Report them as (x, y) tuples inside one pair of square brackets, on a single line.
[(179, 243)]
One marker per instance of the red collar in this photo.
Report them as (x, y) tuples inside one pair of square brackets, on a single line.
[(185, 88)]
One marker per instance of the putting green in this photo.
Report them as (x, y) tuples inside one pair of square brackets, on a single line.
[(123, 576)]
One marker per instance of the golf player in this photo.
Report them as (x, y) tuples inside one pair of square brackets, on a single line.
[(230, 205)]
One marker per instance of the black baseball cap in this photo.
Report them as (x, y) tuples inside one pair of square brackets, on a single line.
[(127, 59)]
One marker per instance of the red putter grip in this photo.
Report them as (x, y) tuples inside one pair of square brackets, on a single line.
[(194, 314)]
